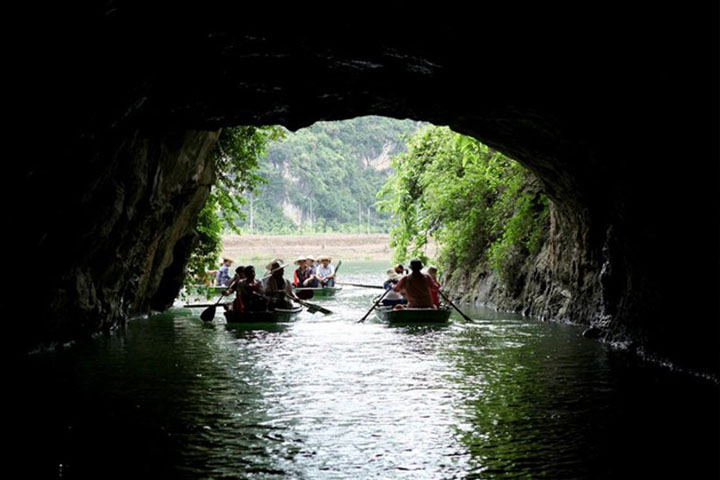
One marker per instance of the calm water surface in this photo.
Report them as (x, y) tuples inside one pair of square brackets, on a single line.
[(325, 397)]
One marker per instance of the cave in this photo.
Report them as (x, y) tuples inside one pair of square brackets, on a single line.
[(607, 108)]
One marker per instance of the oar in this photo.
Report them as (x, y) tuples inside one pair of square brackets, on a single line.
[(374, 305), (202, 305), (361, 285), (455, 307), (312, 307), (209, 313)]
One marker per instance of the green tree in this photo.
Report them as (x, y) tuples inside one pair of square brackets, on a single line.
[(236, 156), (479, 205)]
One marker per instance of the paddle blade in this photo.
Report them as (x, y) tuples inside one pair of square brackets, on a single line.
[(313, 307), (304, 294), (208, 314)]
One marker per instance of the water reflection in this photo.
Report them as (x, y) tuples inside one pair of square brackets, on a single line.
[(326, 397)]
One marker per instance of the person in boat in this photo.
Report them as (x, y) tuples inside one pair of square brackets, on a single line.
[(222, 277), (434, 285), (392, 298), (239, 277), (251, 292), (235, 286), (325, 272), (415, 287), (311, 264), (277, 290), (300, 273), (400, 269), (312, 281)]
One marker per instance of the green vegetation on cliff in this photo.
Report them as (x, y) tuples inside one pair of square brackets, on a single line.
[(480, 206), (236, 156), (325, 178)]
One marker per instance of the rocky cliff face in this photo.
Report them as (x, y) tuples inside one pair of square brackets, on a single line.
[(117, 246), (617, 123)]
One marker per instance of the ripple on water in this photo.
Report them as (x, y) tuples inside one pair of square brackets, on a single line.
[(326, 397)]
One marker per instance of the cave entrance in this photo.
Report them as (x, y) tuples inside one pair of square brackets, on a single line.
[(376, 189)]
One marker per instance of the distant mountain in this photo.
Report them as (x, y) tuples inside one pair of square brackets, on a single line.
[(324, 178)]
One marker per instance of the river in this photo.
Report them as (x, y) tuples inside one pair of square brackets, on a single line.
[(325, 397)]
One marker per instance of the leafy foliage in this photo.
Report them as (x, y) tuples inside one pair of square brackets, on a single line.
[(324, 178), (236, 157), (478, 204), (236, 161), (207, 248)]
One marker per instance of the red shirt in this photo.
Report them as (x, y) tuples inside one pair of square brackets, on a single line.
[(416, 288)]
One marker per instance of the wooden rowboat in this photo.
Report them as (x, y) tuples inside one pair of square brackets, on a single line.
[(266, 316), (318, 292), (414, 315)]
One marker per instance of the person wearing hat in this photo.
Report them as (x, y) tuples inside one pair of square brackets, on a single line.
[(325, 272), (222, 277), (276, 288), (312, 280), (392, 297), (300, 274), (415, 287), (311, 264)]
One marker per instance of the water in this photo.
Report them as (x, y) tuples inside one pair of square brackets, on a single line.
[(325, 397)]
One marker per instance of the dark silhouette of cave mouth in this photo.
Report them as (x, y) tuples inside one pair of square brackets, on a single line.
[(136, 109)]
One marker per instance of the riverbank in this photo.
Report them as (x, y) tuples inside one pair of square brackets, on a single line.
[(260, 248)]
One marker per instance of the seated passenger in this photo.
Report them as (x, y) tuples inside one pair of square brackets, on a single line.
[(325, 272), (235, 286), (434, 285), (415, 287), (251, 292), (312, 280), (392, 297), (222, 277), (300, 273), (277, 290)]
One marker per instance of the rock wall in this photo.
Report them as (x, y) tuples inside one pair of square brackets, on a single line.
[(117, 246)]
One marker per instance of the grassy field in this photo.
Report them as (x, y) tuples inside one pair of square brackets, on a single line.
[(263, 248)]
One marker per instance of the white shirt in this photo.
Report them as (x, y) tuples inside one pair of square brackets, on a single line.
[(324, 272)]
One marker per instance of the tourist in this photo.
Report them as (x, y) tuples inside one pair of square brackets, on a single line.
[(434, 285), (277, 290), (392, 297), (325, 272), (311, 264), (400, 270), (222, 277), (312, 279), (235, 286), (251, 292), (300, 274), (415, 287)]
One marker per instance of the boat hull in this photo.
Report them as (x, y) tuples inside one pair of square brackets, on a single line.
[(268, 316), (413, 315), (319, 292)]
